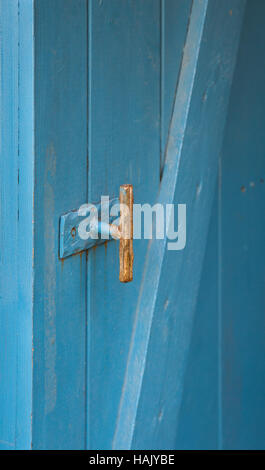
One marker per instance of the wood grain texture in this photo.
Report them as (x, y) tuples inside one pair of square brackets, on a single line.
[(175, 15), (124, 147), (59, 365), (86, 96), (16, 263), (198, 415), (164, 318), (224, 393), (241, 232)]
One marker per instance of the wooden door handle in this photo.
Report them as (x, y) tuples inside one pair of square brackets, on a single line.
[(126, 233)]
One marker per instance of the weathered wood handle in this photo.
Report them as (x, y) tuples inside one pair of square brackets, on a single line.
[(126, 233)]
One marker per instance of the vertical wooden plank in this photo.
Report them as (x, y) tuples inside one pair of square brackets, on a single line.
[(239, 265), (26, 158), (16, 173), (9, 213), (61, 184), (148, 415), (124, 148), (175, 16), (243, 249), (198, 416)]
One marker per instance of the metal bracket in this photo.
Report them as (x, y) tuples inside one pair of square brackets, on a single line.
[(70, 242), (98, 226)]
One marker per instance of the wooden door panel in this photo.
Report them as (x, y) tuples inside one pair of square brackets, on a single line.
[(175, 15), (124, 147), (16, 210), (59, 336), (163, 323), (133, 49), (8, 175), (94, 94)]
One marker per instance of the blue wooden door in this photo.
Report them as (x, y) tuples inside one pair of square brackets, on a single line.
[(98, 93)]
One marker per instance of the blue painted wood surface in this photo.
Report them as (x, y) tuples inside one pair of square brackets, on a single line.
[(164, 316), (175, 15), (124, 147), (59, 367), (16, 174), (199, 413), (198, 416), (242, 225), (230, 286), (233, 387), (170, 361)]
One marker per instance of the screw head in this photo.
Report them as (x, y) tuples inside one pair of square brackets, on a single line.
[(73, 232)]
